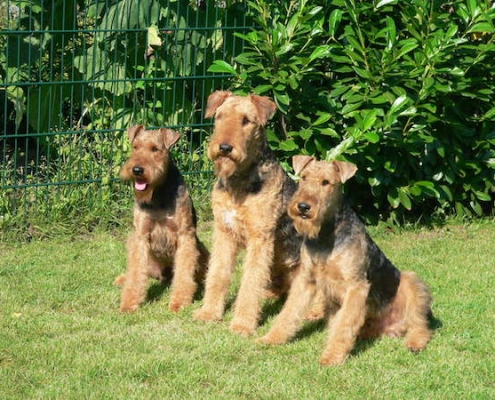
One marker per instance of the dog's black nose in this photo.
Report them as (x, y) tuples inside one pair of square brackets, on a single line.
[(137, 171), (303, 207), (225, 148)]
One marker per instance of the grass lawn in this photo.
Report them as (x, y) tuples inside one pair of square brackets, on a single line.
[(61, 335)]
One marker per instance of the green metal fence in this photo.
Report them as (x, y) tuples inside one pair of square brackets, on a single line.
[(75, 74)]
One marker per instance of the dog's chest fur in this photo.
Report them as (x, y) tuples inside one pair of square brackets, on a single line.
[(160, 231), (251, 202), (343, 252)]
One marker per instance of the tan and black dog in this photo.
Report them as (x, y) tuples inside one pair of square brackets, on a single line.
[(249, 202), (164, 240), (367, 295)]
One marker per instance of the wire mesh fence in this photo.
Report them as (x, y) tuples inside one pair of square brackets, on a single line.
[(75, 74)]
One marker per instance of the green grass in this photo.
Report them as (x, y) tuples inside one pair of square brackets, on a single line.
[(61, 335)]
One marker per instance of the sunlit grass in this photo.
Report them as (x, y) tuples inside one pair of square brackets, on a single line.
[(61, 335)]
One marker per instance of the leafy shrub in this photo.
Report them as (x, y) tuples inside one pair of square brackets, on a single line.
[(74, 75), (403, 89)]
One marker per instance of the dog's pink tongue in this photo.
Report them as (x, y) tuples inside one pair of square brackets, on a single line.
[(140, 186)]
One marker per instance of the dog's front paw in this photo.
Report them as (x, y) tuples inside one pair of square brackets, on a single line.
[(128, 308), (272, 339), (241, 328), (417, 343), (333, 359), (206, 314), (178, 303), (176, 306)]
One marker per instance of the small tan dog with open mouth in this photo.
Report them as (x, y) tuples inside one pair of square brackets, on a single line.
[(164, 240)]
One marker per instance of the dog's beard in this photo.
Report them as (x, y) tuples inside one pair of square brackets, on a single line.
[(225, 167), (307, 227), (306, 224)]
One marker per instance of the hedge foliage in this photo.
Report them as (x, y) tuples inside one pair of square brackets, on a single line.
[(404, 89)]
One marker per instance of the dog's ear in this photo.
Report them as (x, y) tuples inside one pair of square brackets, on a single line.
[(215, 100), (265, 107), (170, 137), (345, 170), (133, 131), (300, 162)]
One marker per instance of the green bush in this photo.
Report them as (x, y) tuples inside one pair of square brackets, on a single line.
[(74, 75), (405, 90)]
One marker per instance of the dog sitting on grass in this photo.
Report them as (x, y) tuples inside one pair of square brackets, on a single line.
[(370, 295), (164, 240)]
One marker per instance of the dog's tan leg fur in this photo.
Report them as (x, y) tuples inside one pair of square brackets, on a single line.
[(288, 322), (345, 325), (222, 262)]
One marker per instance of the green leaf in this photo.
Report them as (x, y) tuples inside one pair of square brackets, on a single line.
[(473, 8), (355, 44), (391, 33), (384, 3), (319, 52), (489, 115), (398, 103), (363, 73), (16, 96), (260, 89), (322, 119), (153, 36), (248, 58), (334, 21), (372, 137), (222, 67), (476, 207), (339, 149), (428, 188), (481, 27), (456, 71), (448, 193), (284, 49), (482, 196), (348, 108), (393, 198), (407, 46), (369, 119), (404, 199), (282, 98), (288, 145), (329, 132)]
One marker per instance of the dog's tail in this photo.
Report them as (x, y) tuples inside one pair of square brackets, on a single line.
[(417, 311)]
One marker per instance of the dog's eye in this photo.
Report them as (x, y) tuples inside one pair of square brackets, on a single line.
[(245, 121), (154, 149), (303, 177), (324, 182)]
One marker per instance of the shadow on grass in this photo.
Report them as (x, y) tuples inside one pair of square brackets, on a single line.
[(311, 327), (271, 308), (158, 288), (156, 291), (434, 323)]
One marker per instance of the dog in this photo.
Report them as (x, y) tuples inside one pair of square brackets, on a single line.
[(164, 242), (249, 202), (367, 294)]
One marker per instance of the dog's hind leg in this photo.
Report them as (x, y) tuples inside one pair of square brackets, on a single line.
[(417, 310)]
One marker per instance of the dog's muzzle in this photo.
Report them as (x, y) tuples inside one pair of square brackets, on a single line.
[(225, 149), (138, 171), (303, 208)]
